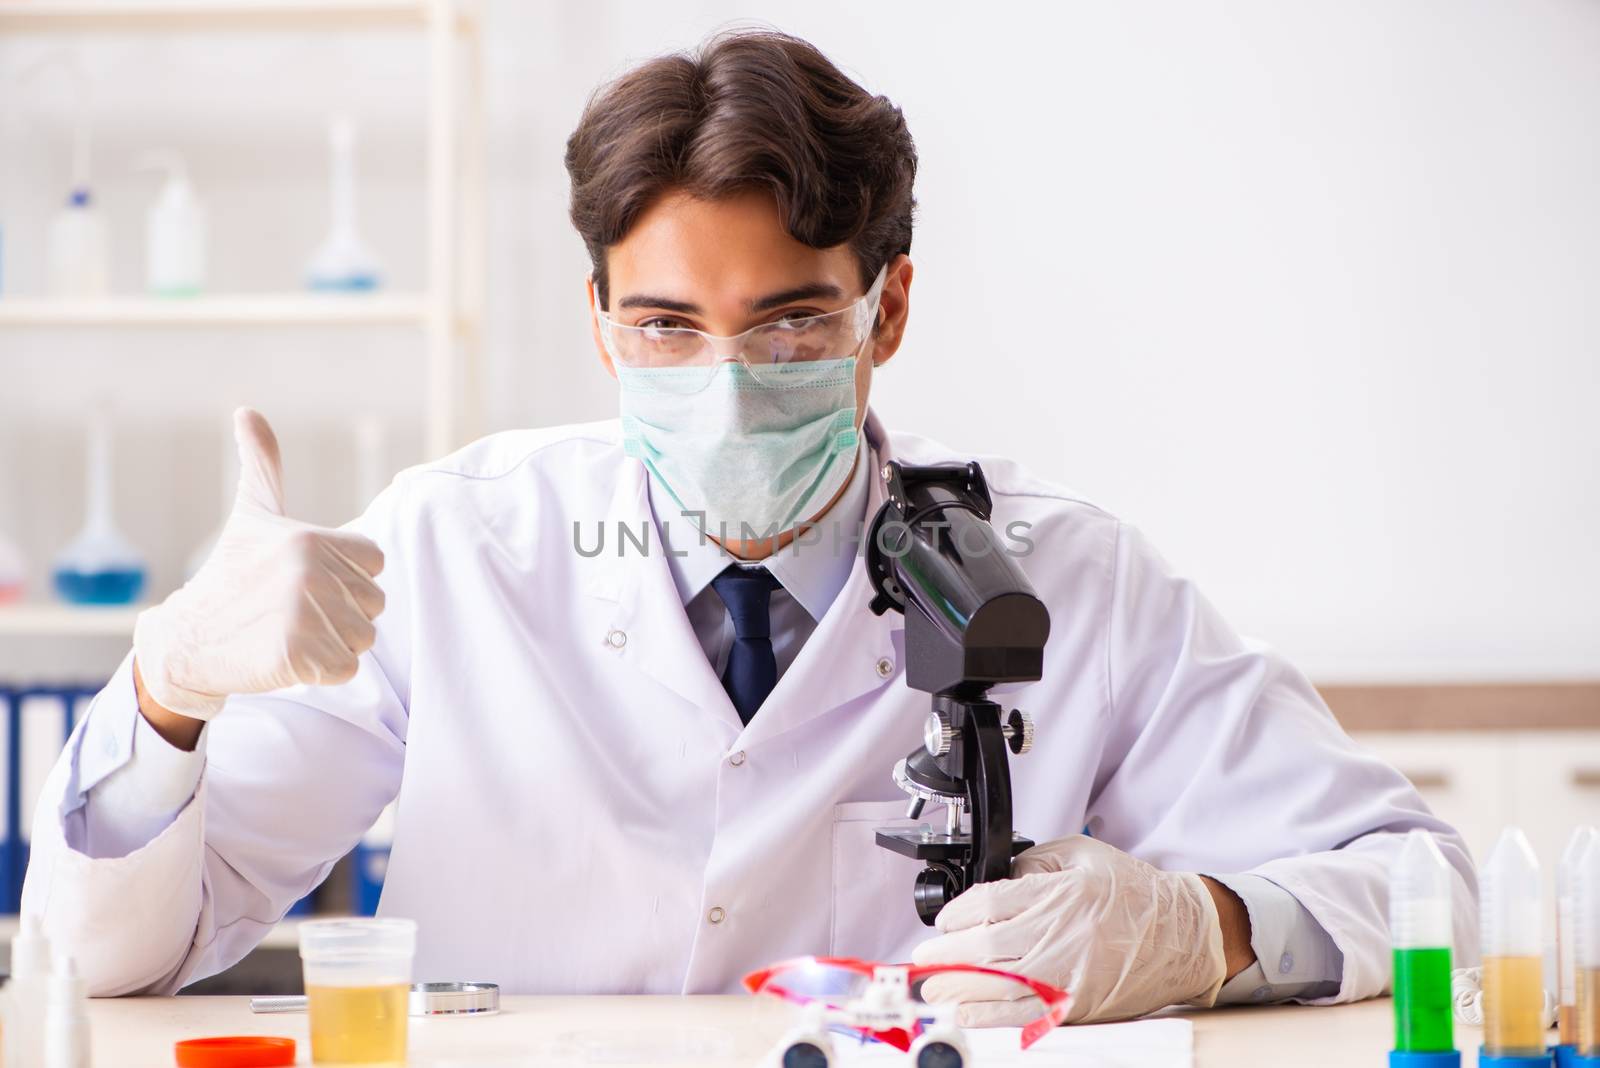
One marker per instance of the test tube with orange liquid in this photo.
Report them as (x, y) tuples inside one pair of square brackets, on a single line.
[(1513, 956), (1566, 945), (1586, 955)]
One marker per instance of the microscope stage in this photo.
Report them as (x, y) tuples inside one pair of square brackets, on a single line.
[(929, 844)]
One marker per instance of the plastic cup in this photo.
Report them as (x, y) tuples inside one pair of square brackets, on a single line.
[(358, 975)]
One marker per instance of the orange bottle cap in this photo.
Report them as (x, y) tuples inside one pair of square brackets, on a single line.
[(234, 1051)]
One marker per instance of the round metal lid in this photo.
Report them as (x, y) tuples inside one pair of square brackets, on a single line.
[(453, 999)]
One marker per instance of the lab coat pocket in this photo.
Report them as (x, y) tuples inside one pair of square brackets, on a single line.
[(873, 914)]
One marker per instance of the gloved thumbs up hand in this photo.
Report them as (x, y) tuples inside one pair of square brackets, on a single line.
[(278, 602), (260, 465)]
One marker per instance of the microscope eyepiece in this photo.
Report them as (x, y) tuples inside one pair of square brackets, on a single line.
[(972, 619)]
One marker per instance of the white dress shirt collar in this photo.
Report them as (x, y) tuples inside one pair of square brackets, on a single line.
[(813, 568)]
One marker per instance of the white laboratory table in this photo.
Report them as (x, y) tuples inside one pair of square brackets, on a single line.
[(709, 1032)]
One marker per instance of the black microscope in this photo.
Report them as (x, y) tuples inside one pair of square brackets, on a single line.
[(972, 621)]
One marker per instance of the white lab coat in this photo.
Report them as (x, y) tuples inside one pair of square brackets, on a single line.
[(581, 811)]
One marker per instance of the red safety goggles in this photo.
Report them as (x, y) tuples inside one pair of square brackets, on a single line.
[(837, 981)]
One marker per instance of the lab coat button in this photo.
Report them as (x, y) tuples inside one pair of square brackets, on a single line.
[(1286, 963), (717, 914), (885, 667), (737, 759), (616, 638), (1259, 994)]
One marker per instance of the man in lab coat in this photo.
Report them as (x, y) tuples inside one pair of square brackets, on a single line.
[(623, 683)]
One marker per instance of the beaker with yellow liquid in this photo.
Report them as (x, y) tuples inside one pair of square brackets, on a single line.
[(358, 1024), (358, 978)]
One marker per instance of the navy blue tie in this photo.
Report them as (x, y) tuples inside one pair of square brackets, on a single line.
[(752, 670)]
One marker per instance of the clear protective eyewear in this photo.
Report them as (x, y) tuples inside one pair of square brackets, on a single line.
[(771, 352)]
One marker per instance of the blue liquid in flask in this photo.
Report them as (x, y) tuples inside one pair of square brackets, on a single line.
[(99, 567), (116, 586)]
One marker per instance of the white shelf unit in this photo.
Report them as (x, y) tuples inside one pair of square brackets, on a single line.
[(68, 621), (245, 310), (71, 16), (448, 311)]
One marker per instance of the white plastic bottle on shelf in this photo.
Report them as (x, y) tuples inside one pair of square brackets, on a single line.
[(27, 994), (175, 232), (13, 565), (66, 1027), (78, 249), (13, 571)]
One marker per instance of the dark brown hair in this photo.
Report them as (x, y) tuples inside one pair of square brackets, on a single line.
[(746, 110)]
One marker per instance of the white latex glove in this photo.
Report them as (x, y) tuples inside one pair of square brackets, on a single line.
[(1122, 937), (277, 602)]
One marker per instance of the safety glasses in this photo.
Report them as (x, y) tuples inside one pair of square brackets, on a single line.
[(772, 353), (837, 982)]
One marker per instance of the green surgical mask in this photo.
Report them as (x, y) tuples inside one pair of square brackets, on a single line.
[(755, 457)]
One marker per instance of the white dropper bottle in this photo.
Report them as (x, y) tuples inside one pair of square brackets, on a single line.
[(66, 1033), (28, 992), (175, 231), (13, 567), (77, 252)]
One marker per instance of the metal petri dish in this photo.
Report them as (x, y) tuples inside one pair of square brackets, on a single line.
[(453, 999)]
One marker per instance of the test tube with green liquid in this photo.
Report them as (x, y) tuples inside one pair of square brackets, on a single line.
[(1420, 933)]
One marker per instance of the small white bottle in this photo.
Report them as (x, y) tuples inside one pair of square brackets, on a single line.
[(78, 249), (66, 1028), (13, 571), (28, 994), (175, 232)]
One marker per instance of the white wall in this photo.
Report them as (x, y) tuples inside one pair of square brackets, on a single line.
[(1306, 290)]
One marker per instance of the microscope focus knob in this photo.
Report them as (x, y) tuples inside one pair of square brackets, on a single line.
[(935, 888), (937, 734), (1018, 729)]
